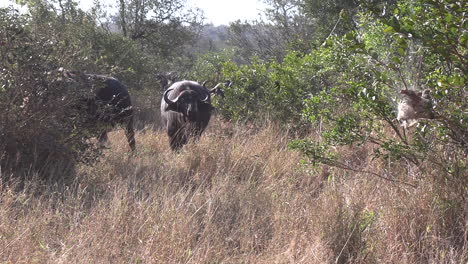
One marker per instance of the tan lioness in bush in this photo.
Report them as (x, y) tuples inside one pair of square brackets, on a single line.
[(414, 106)]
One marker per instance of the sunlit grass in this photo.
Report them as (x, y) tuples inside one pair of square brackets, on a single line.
[(238, 195)]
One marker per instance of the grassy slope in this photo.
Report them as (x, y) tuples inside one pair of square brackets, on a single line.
[(237, 196)]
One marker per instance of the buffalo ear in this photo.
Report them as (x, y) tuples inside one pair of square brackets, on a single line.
[(173, 107), (205, 107)]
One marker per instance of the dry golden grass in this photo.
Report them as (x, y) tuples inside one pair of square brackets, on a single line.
[(239, 195)]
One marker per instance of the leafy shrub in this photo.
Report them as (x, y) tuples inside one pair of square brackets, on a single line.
[(273, 90), (42, 126), (387, 54)]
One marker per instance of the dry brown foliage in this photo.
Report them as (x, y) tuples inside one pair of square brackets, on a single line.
[(239, 195)]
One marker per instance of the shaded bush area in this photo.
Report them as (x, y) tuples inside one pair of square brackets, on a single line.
[(48, 123), (41, 127)]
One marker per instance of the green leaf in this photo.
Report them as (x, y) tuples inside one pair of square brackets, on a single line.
[(401, 51)]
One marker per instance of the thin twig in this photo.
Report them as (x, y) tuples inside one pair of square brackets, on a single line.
[(343, 166), (14, 241), (336, 24), (346, 243)]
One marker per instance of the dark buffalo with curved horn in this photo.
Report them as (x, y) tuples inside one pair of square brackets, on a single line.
[(186, 111), (109, 105)]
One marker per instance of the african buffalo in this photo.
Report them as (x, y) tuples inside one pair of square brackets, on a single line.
[(109, 105), (186, 110)]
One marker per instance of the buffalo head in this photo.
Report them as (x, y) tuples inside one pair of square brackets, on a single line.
[(189, 103), (186, 111), (105, 101)]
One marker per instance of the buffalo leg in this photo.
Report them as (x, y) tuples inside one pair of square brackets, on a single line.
[(177, 142), (130, 133), (177, 139), (103, 138)]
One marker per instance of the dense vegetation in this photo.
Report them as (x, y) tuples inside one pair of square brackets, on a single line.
[(305, 161)]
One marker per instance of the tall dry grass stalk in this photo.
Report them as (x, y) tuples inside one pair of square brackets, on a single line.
[(239, 195)]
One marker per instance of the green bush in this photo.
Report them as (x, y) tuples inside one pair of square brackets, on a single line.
[(417, 45), (275, 91)]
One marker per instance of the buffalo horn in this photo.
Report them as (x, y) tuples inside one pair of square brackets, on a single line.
[(206, 98), (166, 97), (215, 89)]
